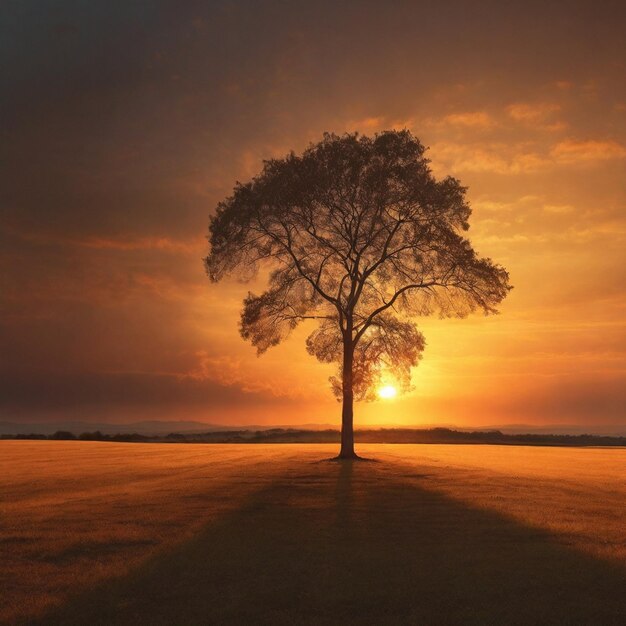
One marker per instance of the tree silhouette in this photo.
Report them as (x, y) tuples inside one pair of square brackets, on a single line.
[(360, 236)]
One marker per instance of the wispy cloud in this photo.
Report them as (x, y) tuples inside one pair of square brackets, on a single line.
[(234, 372), (501, 158), (590, 151), (376, 123), (495, 158), (122, 243), (471, 119), (526, 112)]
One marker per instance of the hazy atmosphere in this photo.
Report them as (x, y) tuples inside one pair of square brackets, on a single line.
[(124, 127)]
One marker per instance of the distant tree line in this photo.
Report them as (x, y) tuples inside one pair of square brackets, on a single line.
[(383, 435)]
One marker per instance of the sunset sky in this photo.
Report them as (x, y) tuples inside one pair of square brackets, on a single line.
[(123, 125)]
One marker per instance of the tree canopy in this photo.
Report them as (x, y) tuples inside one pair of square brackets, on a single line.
[(360, 236)]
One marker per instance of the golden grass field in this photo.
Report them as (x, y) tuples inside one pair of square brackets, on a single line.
[(116, 533)]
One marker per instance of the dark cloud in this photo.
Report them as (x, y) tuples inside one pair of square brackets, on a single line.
[(91, 394)]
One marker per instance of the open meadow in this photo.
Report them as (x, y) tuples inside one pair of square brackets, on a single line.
[(108, 533)]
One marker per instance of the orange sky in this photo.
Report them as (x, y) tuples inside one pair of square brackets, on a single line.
[(126, 127)]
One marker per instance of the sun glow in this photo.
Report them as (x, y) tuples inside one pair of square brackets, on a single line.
[(388, 391)]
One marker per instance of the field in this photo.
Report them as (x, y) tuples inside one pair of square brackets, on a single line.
[(108, 533)]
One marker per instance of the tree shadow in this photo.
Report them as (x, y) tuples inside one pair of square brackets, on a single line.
[(353, 543)]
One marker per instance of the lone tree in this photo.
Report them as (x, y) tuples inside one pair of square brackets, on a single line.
[(360, 236)]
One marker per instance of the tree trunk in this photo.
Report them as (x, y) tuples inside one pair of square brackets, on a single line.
[(347, 409)]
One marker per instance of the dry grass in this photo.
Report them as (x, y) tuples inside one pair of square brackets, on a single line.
[(578, 494), (127, 533)]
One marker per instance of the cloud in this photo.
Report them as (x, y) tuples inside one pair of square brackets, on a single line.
[(82, 393), (524, 112), (591, 151), (495, 158), (469, 120), (521, 158), (143, 243), (373, 124), (575, 399), (473, 119), (558, 208), (497, 206), (460, 122), (160, 243), (228, 371), (539, 115)]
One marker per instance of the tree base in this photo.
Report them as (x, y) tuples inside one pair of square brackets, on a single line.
[(352, 457), (342, 456)]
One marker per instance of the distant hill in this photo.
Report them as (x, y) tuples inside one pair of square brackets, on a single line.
[(390, 435), (163, 428), (611, 430), (142, 428), (147, 428)]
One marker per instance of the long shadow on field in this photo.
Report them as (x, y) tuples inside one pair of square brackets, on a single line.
[(359, 543)]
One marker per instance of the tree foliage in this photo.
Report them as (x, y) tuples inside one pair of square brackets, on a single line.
[(360, 236)]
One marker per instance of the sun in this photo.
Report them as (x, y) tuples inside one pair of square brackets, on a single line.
[(388, 391)]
